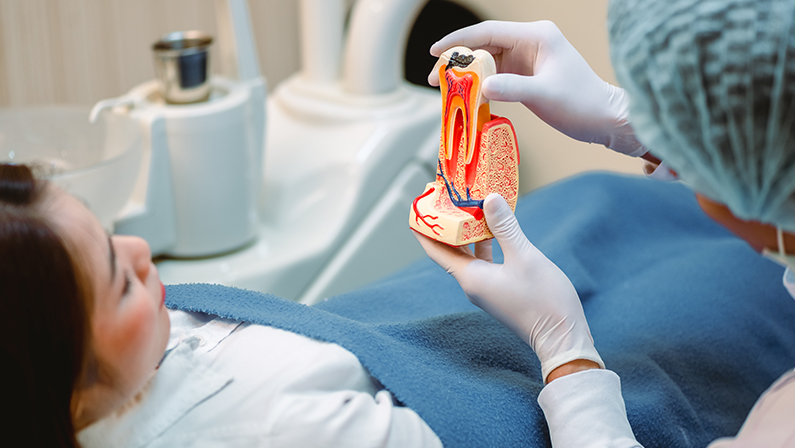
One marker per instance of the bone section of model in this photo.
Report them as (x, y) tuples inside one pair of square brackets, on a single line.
[(477, 154)]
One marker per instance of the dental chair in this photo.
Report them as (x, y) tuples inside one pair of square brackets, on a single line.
[(695, 323)]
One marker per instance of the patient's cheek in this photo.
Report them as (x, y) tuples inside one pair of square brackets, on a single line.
[(131, 342)]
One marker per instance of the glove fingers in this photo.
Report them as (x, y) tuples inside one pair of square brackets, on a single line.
[(483, 251), (451, 259), (475, 37), (433, 76), (503, 224), (482, 35), (510, 88), (495, 36)]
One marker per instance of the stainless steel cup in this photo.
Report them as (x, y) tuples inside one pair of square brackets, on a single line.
[(181, 64)]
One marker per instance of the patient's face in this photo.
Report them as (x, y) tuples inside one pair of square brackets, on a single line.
[(129, 322)]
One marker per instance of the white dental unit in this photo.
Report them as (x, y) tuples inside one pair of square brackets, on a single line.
[(322, 206)]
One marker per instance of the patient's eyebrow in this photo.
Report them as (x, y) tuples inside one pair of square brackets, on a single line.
[(112, 260)]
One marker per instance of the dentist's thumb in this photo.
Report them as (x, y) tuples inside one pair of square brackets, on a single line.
[(503, 224), (509, 87)]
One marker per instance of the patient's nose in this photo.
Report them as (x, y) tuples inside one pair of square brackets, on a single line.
[(139, 252)]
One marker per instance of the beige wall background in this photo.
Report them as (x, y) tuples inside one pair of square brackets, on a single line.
[(82, 51)]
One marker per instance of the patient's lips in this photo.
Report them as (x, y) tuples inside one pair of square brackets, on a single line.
[(477, 154)]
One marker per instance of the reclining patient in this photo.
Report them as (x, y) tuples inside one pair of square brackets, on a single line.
[(691, 319), (88, 330)]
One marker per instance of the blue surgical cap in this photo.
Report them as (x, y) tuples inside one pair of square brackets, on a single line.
[(712, 93)]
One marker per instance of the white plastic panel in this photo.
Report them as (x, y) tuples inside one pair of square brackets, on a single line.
[(381, 245)]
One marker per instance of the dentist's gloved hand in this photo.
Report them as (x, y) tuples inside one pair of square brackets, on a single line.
[(528, 293), (538, 67)]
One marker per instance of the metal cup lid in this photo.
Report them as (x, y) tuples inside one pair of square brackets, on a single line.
[(183, 42)]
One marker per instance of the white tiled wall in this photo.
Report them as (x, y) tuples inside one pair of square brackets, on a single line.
[(81, 51)]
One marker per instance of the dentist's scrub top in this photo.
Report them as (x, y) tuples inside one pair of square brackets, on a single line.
[(224, 383)]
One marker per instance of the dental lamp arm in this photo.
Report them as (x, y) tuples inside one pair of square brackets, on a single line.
[(582, 402), (538, 67), (236, 39)]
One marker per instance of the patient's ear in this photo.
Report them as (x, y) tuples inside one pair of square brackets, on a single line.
[(95, 395), (88, 380)]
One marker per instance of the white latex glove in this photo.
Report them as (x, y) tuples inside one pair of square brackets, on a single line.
[(528, 293), (538, 67)]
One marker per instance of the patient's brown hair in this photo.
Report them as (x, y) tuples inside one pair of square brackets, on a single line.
[(45, 310)]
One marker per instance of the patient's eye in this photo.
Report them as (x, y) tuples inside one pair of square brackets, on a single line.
[(127, 285)]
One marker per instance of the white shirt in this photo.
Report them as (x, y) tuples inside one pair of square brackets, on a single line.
[(223, 383), (586, 409)]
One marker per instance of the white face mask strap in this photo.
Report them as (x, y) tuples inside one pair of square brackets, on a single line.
[(783, 259), (780, 241)]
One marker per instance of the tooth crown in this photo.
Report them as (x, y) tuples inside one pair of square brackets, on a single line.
[(477, 154), (464, 108)]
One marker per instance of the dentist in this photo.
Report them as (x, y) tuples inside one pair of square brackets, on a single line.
[(712, 89)]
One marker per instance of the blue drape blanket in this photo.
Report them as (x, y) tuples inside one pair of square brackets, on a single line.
[(695, 323)]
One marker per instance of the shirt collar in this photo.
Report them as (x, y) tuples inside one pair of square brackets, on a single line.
[(181, 383)]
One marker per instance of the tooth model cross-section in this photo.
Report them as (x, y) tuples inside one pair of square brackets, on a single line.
[(477, 154)]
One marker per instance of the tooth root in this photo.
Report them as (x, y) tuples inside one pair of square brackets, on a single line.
[(464, 108)]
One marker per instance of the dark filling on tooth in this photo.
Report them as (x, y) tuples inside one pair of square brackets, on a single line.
[(459, 60)]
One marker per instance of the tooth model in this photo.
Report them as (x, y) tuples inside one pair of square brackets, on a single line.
[(477, 154)]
